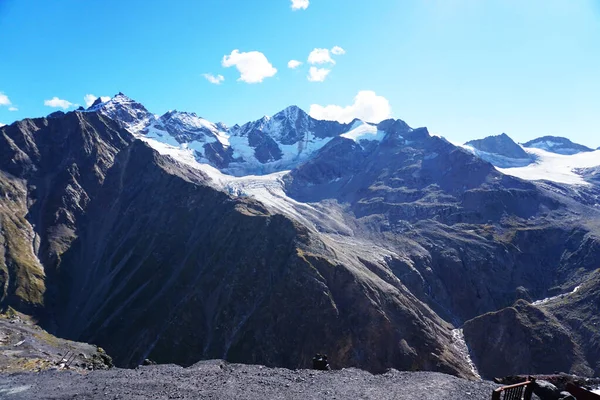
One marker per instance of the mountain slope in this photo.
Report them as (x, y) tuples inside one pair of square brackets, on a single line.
[(561, 334), (451, 215), (49, 170), (190, 272), (375, 247)]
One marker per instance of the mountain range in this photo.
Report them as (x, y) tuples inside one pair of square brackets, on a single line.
[(178, 239)]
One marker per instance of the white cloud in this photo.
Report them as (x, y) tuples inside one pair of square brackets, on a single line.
[(318, 74), (13, 109), (338, 51), (90, 99), (253, 65), (55, 102), (320, 56), (1, 124), (214, 79), (293, 64), (367, 106), (4, 101), (300, 4)]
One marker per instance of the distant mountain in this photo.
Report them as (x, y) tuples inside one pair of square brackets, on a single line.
[(558, 145), (263, 146), (501, 151)]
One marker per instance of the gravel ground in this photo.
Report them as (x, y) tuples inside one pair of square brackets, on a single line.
[(219, 380)]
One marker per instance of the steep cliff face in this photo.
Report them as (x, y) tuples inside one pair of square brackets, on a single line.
[(22, 277), (49, 170), (556, 334), (523, 339)]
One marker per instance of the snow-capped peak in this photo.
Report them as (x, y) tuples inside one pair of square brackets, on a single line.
[(186, 127), (360, 130), (557, 145), (291, 113), (500, 150), (130, 114)]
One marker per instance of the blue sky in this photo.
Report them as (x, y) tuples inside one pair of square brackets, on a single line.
[(463, 68)]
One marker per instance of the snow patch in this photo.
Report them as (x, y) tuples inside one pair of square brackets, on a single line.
[(458, 338), (498, 160), (268, 189), (292, 155), (555, 147), (555, 167), (364, 131), (560, 296)]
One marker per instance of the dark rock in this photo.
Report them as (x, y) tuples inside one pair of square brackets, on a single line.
[(521, 339), (546, 391), (56, 114), (99, 101)]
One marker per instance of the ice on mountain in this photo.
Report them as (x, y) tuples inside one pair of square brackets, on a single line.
[(554, 167), (360, 130)]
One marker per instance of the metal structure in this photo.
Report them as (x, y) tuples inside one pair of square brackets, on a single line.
[(519, 391)]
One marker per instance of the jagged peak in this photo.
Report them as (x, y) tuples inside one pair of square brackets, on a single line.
[(117, 100), (172, 113), (292, 112), (121, 97), (357, 122), (392, 125)]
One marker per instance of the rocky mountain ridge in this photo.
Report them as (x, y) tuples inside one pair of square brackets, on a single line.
[(376, 246)]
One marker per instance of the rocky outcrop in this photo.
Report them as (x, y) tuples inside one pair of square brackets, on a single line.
[(25, 347), (522, 339), (580, 313), (558, 334)]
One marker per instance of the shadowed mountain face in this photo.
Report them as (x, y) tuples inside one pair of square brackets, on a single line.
[(557, 334), (376, 244), (49, 171)]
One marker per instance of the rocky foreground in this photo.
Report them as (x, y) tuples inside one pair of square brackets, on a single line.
[(219, 380)]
